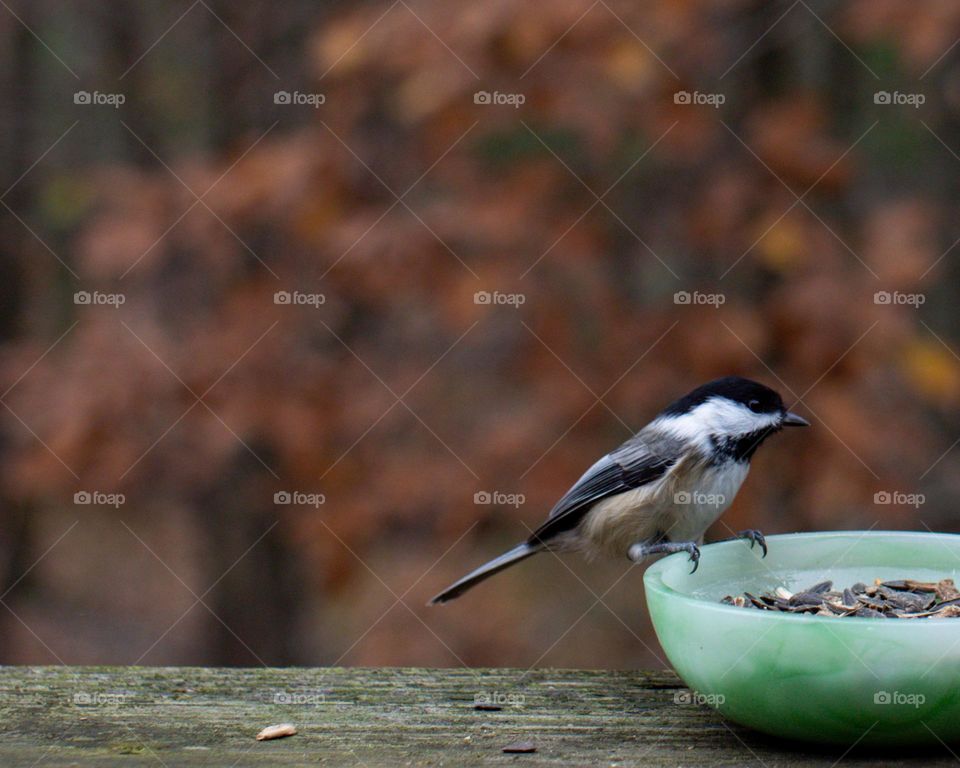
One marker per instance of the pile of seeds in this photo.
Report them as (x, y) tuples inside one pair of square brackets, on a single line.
[(900, 599)]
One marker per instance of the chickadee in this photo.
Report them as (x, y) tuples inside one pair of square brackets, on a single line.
[(659, 491)]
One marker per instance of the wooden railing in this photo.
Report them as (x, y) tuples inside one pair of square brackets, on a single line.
[(118, 716)]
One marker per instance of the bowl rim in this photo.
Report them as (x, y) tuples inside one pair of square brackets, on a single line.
[(653, 578)]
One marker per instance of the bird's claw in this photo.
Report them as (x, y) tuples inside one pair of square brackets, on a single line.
[(637, 552), (754, 537)]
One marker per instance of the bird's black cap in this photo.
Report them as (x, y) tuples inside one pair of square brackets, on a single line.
[(756, 396)]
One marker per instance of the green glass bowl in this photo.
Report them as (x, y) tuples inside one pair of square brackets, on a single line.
[(816, 678)]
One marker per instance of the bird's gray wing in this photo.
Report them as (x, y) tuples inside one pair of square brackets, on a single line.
[(641, 460)]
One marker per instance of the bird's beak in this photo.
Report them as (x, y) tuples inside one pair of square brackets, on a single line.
[(792, 420)]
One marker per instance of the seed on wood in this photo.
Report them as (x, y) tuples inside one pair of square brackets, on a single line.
[(276, 732), (521, 747)]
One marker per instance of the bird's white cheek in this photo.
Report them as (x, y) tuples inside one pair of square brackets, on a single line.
[(717, 416)]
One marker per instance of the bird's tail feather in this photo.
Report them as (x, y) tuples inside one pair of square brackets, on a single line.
[(485, 571)]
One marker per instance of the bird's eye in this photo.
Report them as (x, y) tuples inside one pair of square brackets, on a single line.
[(754, 405)]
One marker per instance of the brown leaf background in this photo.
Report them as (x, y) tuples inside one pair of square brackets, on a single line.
[(399, 397)]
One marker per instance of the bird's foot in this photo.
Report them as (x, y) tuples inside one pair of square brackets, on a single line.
[(754, 537), (639, 551)]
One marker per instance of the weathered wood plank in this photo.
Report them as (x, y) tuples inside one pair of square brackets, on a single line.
[(58, 716)]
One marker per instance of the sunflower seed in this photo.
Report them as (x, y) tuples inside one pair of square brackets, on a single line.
[(946, 590), (521, 747), (276, 732), (871, 601), (806, 598), (921, 586), (892, 599)]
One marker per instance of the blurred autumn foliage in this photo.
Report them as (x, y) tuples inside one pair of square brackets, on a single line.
[(397, 394)]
